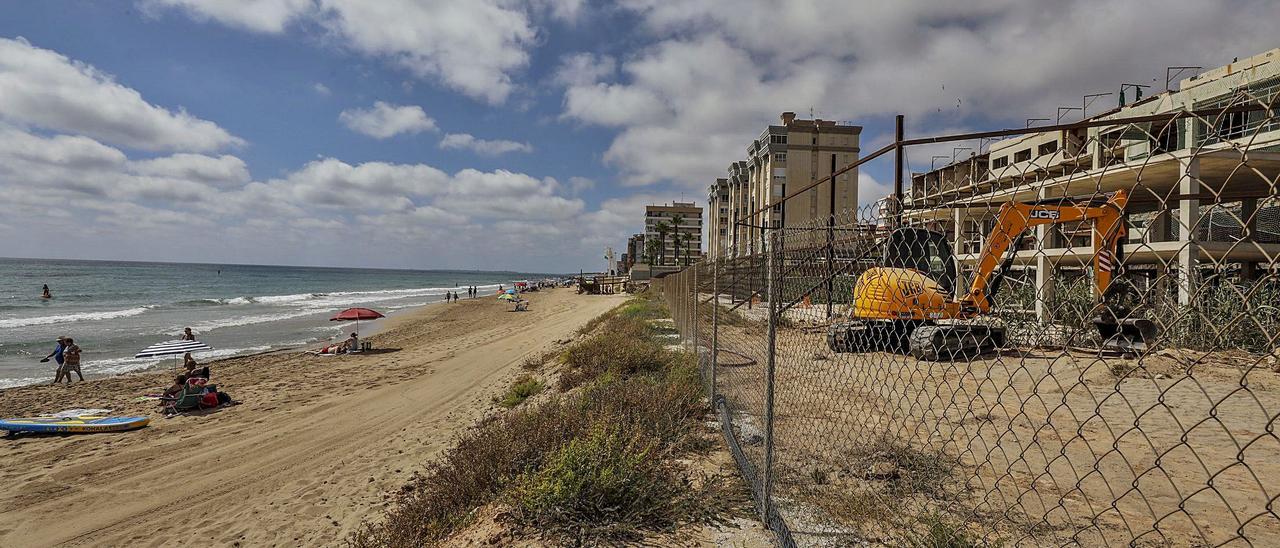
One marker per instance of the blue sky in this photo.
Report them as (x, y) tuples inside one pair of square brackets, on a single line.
[(499, 134)]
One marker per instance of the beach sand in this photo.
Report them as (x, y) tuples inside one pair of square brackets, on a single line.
[(316, 447)]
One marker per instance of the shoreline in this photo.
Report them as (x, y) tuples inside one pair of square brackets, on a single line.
[(160, 366), (314, 449)]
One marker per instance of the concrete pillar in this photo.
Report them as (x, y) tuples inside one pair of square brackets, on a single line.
[(957, 247), (1248, 208), (1188, 219), (1160, 229), (1046, 239)]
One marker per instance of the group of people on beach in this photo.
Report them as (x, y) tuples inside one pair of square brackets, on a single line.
[(452, 296), (66, 353)]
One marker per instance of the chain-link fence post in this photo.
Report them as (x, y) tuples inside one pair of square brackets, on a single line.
[(697, 349), (772, 271), (715, 330)]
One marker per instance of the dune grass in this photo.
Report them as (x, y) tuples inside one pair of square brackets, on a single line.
[(597, 464)]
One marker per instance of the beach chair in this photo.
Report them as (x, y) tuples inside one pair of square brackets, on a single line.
[(190, 399)]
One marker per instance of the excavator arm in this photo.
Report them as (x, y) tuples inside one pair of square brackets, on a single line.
[(1016, 218)]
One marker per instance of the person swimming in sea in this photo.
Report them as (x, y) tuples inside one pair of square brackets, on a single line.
[(46, 294)]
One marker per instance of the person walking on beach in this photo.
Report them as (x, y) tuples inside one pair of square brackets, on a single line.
[(187, 335), (58, 349), (71, 360)]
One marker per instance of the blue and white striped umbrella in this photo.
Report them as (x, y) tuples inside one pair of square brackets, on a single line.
[(171, 348)]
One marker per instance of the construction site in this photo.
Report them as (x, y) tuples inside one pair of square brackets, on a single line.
[(1066, 336)]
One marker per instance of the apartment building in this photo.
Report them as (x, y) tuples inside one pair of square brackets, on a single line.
[(718, 217), (635, 251), (740, 199), (1215, 175), (681, 244), (781, 160)]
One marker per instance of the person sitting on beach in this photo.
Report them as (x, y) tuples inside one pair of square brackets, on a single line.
[(193, 368), (187, 335), (179, 383), (71, 360), (352, 344)]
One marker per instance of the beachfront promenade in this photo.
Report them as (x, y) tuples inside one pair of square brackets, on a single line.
[(314, 449)]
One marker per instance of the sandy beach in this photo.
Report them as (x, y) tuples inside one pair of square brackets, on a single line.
[(314, 449)]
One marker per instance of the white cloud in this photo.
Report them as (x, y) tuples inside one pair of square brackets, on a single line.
[(42, 88), (269, 16), (96, 202), (385, 120), (225, 170), (581, 69), (716, 72), (473, 46), (484, 147), (321, 89), (578, 185)]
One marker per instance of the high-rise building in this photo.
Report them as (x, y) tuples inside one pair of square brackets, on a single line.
[(681, 244), (718, 213), (784, 159)]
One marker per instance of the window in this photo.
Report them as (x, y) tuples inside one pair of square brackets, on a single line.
[(778, 139), (1233, 124), (780, 157), (1166, 139), (1000, 162), (1022, 155), (1048, 148)]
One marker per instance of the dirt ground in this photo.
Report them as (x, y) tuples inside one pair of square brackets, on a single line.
[(312, 451), (1031, 446)]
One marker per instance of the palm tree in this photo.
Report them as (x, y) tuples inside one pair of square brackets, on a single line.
[(651, 251), (676, 221), (677, 240), (662, 228)]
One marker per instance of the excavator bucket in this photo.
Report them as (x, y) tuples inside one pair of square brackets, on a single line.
[(1129, 335)]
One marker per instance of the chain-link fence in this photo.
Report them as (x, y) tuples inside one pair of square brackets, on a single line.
[(1068, 338)]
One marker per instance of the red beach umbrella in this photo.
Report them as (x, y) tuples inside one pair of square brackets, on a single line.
[(356, 314)]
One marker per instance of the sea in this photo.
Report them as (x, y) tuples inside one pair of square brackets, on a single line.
[(115, 309)]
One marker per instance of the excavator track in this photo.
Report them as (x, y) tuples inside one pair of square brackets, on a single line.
[(950, 341)]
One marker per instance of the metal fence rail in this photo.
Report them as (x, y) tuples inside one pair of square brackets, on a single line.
[(1056, 433)]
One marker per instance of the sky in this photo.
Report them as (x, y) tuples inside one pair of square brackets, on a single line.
[(505, 135)]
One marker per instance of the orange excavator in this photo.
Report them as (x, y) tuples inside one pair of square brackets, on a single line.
[(906, 305)]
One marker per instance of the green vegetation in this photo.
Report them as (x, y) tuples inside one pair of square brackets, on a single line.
[(940, 533), (598, 464), (524, 388), (1225, 314), (624, 346), (534, 363)]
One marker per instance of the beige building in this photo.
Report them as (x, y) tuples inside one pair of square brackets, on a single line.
[(783, 159), (1187, 173), (718, 217), (682, 245)]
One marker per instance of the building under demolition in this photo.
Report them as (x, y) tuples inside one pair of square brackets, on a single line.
[(1202, 188)]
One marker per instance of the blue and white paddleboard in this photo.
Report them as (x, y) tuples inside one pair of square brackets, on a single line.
[(84, 424)]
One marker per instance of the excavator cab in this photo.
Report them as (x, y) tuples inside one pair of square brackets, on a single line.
[(922, 250)]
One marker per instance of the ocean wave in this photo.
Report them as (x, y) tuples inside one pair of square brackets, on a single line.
[(210, 325), (22, 381), (116, 366), (77, 317)]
